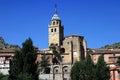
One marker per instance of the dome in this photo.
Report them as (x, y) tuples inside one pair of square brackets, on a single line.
[(55, 17)]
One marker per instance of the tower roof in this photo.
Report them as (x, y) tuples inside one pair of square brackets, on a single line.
[(55, 16)]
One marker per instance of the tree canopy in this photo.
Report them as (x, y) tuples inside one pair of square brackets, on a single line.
[(44, 64), (24, 61), (56, 50), (87, 70)]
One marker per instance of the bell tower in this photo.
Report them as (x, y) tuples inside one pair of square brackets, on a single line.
[(55, 30)]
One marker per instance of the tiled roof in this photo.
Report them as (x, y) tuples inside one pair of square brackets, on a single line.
[(9, 50), (106, 51)]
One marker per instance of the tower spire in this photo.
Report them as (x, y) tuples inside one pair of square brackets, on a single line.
[(55, 16), (55, 8)]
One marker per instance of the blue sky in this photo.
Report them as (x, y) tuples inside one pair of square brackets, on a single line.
[(97, 20)]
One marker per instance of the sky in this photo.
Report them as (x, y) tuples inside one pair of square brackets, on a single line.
[(97, 20)]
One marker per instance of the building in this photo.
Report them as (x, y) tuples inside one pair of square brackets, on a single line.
[(111, 57), (5, 57), (74, 47)]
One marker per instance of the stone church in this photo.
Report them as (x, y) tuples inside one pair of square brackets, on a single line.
[(74, 49)]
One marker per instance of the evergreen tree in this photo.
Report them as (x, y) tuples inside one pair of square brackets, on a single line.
[(102, 71), (16, 66), (44, 64), (1, 76), (24, 62), (89, 68), (75, 71)]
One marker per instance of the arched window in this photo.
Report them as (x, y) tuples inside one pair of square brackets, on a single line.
[(57, 22), (53, 23), (55, 30), (56, 69), (51, 30), (65, 69)]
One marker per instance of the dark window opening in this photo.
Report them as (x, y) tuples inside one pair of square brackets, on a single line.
[(53, 23), (67, 42), (55, 29), (62, 50), (56, 71), (65, 70), (57, 22), (51, 30)]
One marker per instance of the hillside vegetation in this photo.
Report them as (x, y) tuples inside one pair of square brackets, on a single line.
[(114, 46)]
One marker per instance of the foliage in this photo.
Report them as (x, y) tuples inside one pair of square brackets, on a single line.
[(114, 46), (102, 71), (76, 72), (24, 62), (44, 64), (57, 53), (24, 76), (3, 77), (87, 70)]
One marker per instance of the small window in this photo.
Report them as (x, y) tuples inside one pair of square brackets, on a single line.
[(55, 29), (57, 22), (66, 70), (56, 71), (67, 42), (51, 30), (53, 23)]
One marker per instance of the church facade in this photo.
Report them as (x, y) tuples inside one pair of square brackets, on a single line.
[(74, 47)]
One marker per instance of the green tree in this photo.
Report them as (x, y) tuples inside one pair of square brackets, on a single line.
[(102, 71), (24, 76), (24, 61), (87, 70), (1, 76), (77, 71), (44, 64), (83, 70), (57, 53)]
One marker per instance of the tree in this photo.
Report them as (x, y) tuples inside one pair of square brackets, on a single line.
[(57, 59), (44, 64), (24, 61), (24, 76), (1, 76), (87, 70), (57, 53), (77, 71), (102, 71), (83, 70)]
